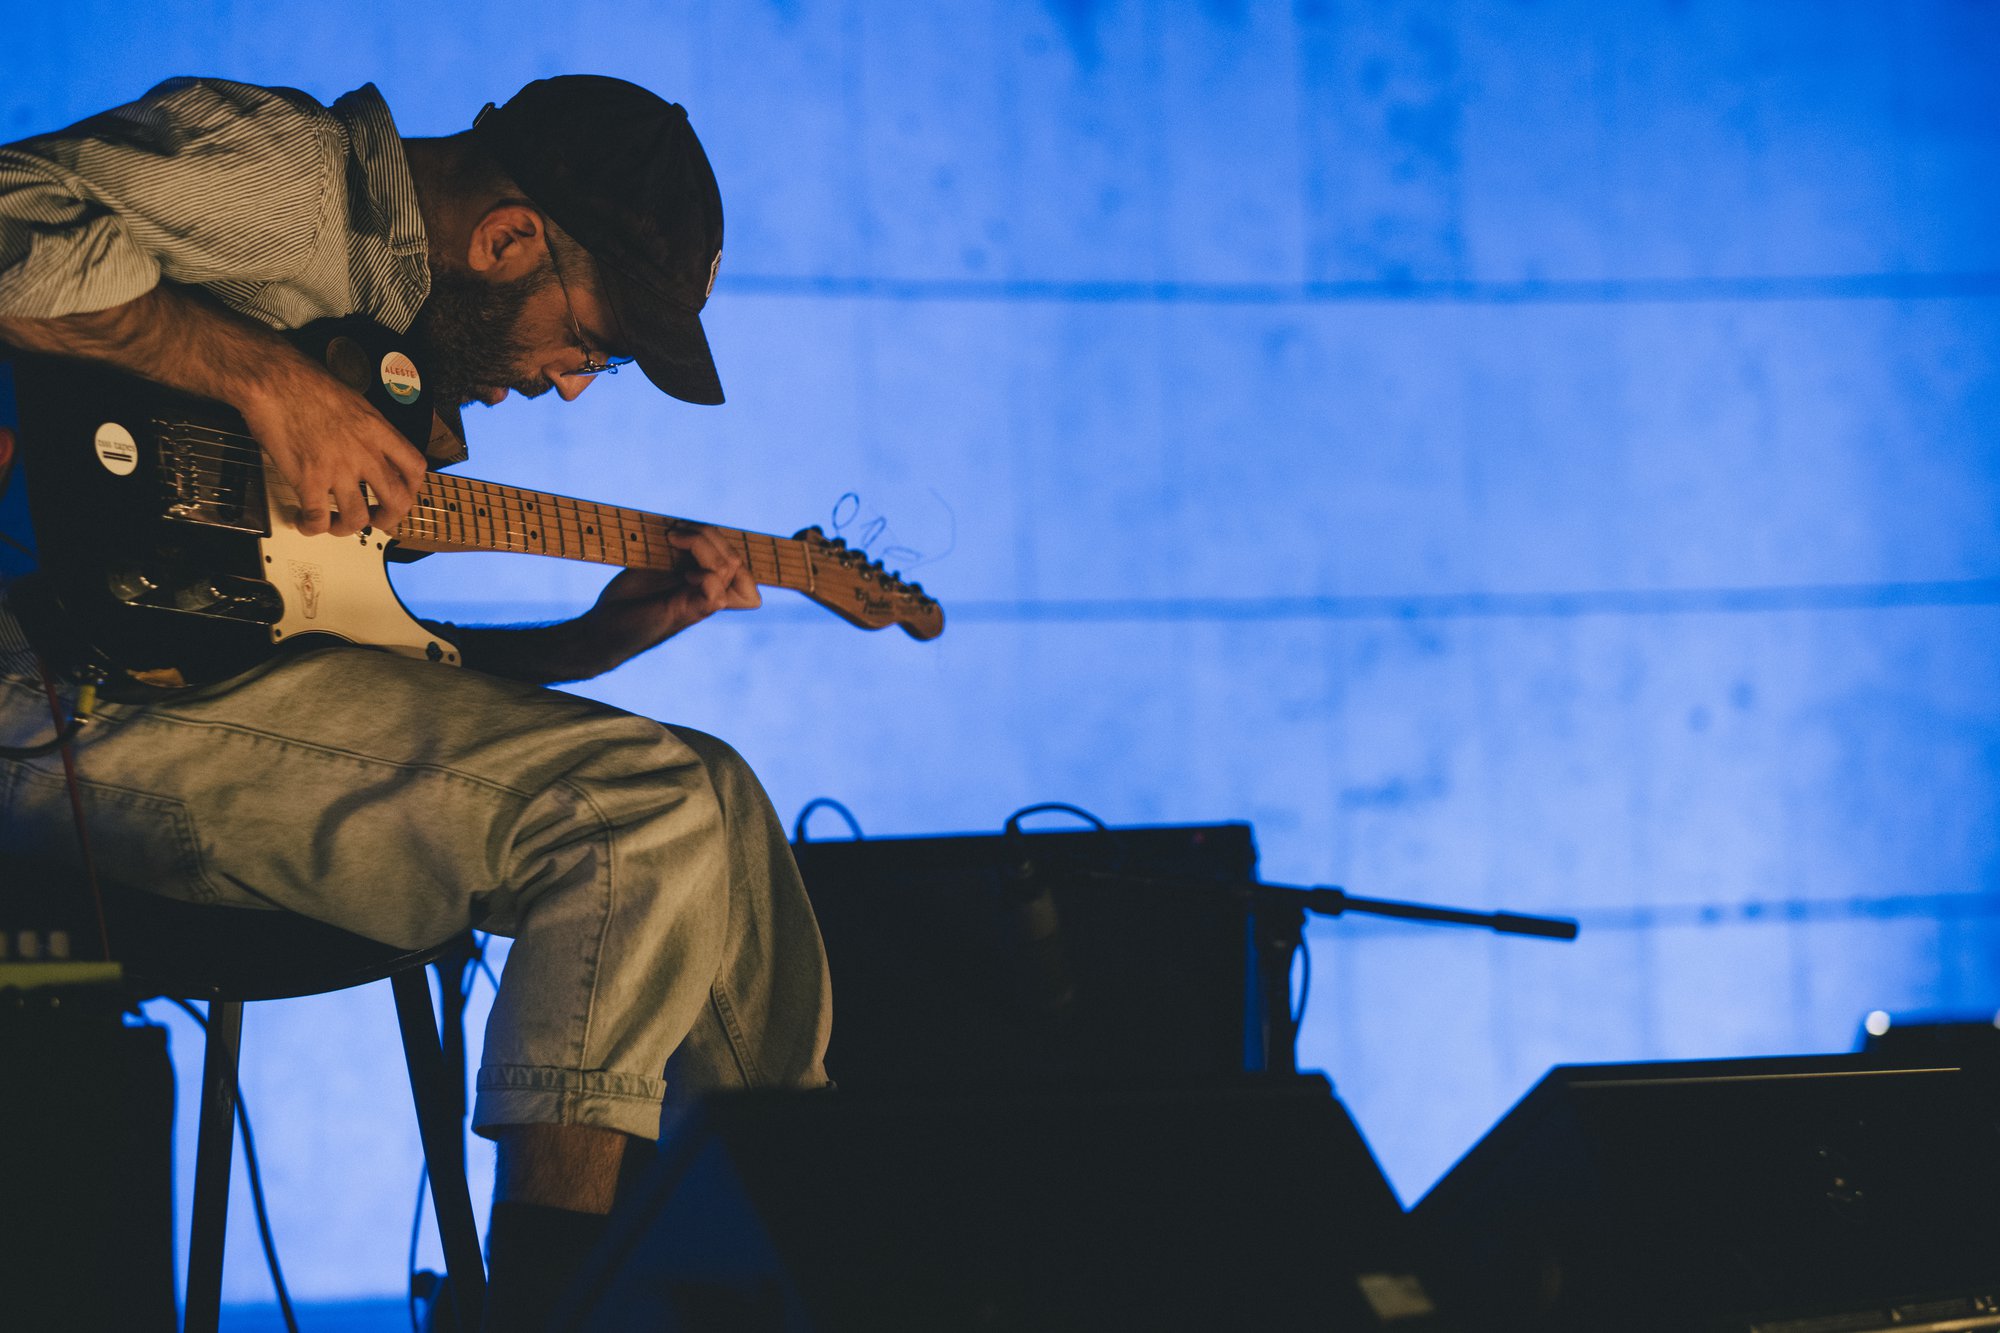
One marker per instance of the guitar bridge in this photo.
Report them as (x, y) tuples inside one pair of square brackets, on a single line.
[(211, 477)]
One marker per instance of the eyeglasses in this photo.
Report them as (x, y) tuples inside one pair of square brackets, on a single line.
[(591, 365)]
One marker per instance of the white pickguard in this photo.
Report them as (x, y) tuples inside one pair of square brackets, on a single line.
[(339, 585)]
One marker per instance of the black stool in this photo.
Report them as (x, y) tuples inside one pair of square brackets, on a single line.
[(229, 955)]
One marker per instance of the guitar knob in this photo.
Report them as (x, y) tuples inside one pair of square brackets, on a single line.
[(197, 596), (129, 585)]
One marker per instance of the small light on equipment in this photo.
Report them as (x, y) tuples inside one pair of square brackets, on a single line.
[(1878, 1023)]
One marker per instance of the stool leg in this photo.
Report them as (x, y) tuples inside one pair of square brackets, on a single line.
[(451, 969), (444, 1145), (215, 1143)]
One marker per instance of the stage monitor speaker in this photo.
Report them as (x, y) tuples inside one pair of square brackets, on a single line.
[(978, 959), (1968, 1040), (1245, 1204), (1807, 1194)]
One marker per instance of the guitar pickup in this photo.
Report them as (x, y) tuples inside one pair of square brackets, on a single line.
[(211, 477)]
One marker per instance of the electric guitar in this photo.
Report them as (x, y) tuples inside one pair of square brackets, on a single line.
[(169, 555)]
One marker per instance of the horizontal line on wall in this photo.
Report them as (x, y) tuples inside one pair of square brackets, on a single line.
[(1923, 906), (1463, 606), (1436, 606), (1551, 291)]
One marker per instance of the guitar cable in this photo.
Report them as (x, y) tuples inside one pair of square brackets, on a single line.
[(86, 701), (86, 704)]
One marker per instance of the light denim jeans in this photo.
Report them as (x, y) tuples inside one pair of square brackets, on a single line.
[(664, 945)]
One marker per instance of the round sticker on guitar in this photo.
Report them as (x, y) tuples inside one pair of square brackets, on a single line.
[(116, 449), (400, 378)]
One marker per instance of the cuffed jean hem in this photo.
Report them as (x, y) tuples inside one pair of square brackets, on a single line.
[(527, 1095)]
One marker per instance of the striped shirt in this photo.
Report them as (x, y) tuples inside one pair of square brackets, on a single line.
[(285, 210)]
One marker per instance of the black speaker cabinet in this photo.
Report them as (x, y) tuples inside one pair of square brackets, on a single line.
[(1246, 1204), (1062, 955), (1805, 1194), (86, 1163)]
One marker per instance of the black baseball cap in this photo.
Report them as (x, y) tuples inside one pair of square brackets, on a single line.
[(619, 169)]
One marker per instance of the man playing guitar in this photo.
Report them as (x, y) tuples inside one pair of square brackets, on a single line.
[(663, 942)]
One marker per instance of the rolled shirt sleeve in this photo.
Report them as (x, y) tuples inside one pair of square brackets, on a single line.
[(201, 181)]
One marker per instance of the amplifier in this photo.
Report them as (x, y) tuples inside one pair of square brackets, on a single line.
[(992, 959), (86, 1155), (1835, 1193)]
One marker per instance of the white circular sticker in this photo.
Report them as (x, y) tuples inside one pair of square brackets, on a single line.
[(400, 378), (117, 450)]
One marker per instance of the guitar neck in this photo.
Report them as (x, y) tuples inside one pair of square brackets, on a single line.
[(455, 513)]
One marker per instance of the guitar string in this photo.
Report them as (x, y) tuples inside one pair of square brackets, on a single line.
[(575, 519), (572, 522), (517, 527), (587, 522), (576, 522)]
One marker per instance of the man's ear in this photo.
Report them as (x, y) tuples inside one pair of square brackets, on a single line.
[(507, 243)]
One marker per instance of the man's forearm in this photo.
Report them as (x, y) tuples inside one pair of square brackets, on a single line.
[(171, 337), (610, 634), (537, 654), (322, 436)]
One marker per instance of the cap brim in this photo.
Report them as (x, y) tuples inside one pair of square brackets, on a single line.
[(666, 341)]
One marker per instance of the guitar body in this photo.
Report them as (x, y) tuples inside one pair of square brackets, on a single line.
[(167, 554)]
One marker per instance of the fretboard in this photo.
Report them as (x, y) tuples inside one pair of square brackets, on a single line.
[(455, 513)]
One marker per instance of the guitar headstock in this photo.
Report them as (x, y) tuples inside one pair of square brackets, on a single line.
[(859, 591)]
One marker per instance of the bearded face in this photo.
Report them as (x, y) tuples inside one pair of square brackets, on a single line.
[(469, 333)]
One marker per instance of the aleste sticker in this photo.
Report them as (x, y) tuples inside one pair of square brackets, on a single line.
[(400, 378), (116, 449)]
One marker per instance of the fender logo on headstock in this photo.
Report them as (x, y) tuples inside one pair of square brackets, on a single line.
[(869, 604)]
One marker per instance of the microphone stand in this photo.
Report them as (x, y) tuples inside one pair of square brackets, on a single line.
[(1329, 900)]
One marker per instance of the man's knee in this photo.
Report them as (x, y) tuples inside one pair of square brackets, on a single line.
[(728, 772)]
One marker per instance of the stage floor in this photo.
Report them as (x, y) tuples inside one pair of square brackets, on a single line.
[(384, 1316)]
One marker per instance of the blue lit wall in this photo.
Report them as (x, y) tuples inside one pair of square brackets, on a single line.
[(1542, 455)]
